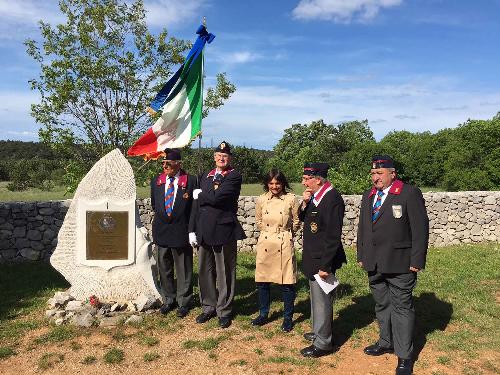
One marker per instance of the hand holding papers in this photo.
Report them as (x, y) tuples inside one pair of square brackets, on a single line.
[(328, 284)]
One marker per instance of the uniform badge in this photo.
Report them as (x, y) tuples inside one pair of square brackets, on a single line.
[(185, 196), (314, 227), (216, 186), (397, 211)]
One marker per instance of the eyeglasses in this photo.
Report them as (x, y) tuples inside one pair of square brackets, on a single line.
[(306, 178)]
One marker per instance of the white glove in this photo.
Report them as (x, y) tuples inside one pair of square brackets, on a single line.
[(196, 192), (192, 239)]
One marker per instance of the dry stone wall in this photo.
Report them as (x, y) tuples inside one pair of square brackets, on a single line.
[(28, 231)]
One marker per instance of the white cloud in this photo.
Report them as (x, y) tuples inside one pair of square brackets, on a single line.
[(341, 10), (257, 115), (166, 13), (23, 17)]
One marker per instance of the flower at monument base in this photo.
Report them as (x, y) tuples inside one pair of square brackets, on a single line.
[(94, 301)]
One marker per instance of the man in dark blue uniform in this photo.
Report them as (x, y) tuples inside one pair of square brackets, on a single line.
[(392, 242), (172, 199), (322, 212), (217, 230)]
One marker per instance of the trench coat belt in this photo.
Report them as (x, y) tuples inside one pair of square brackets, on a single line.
[(274, 230)]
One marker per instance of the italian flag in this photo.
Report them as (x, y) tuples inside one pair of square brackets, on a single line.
[(180, 101)]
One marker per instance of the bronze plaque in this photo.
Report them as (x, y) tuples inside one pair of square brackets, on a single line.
[(107, 235)]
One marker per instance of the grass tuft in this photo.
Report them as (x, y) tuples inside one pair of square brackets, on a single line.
[(6, 351), (88, 360), (148, 340), (48, 360), (57, 334), (114, 355), (151, 356), (205, 344)]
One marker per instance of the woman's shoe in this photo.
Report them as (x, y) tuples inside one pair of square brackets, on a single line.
[(287, 325), (259, 321)]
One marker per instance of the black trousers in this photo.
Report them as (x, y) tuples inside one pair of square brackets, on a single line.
[(394, 310), (180, 259)]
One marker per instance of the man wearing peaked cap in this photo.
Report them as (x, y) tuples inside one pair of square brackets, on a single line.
[(217, 230), (172, 201), (322, 212), (392, 241)]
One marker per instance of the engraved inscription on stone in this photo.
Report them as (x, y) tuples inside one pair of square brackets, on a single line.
[(107, 235)]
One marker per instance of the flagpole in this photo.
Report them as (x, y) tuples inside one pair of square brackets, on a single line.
[(204, 23)]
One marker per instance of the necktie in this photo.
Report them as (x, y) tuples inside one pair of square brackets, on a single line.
[(169, 196), (376, 206)]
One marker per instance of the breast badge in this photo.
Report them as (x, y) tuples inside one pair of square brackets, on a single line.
[(185, 195), (314, 227), (397, 211)]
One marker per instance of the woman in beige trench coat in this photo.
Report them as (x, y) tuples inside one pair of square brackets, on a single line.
[(276, 216)]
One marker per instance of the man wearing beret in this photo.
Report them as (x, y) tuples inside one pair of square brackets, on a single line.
[(393, 234), (322, 212), (172, 199), (217, 230)]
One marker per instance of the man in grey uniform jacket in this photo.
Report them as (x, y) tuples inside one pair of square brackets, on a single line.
[(392, 242)]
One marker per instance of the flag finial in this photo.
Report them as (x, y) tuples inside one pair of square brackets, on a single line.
[(204, 21)]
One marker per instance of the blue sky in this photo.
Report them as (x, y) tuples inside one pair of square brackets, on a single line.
[(402, 64)]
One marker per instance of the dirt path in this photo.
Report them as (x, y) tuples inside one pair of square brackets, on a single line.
[(185, 347)]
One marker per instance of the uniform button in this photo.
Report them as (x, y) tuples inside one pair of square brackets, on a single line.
[(279, 251), (281, 213), (265, 250), (265, 237), (267, 224)]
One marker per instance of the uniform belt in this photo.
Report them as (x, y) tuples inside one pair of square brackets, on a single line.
[(275, 230)]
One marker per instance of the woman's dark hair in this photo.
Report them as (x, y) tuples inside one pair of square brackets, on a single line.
[(279, 176)]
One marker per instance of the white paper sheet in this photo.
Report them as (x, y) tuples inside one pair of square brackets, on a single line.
[(328, 284)]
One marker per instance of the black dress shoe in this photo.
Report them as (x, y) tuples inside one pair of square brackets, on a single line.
[(224, 322), (376, 349), (314, 352), (405, 367), (309, 336), (259, 321), (205, 317), (287, 325), (165, 309), (182, 311)]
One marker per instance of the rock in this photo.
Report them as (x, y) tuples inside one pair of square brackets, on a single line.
[(58, 321), (19, 232), (46, 211), (50, 313), (30, 254), (131, 306), (74, 306), (34, 235), (110, 180), (134, 319), (83, 319), (144, 302), (116, 307), (110, 321), (59, 314), (62, 298)]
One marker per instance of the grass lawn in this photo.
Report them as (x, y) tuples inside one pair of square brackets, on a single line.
[(457, 329), (58, 193)]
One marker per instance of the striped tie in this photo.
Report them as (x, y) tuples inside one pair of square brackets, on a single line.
[(376, 206), (169, 197)]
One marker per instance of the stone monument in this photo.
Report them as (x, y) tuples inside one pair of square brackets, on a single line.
[(103, 248)]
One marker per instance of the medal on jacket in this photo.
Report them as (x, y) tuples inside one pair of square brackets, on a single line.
[(397, 211), (314, 227), (185, 195)]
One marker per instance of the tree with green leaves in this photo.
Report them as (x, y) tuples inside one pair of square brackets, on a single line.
[(318, 142), (99, 71)]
